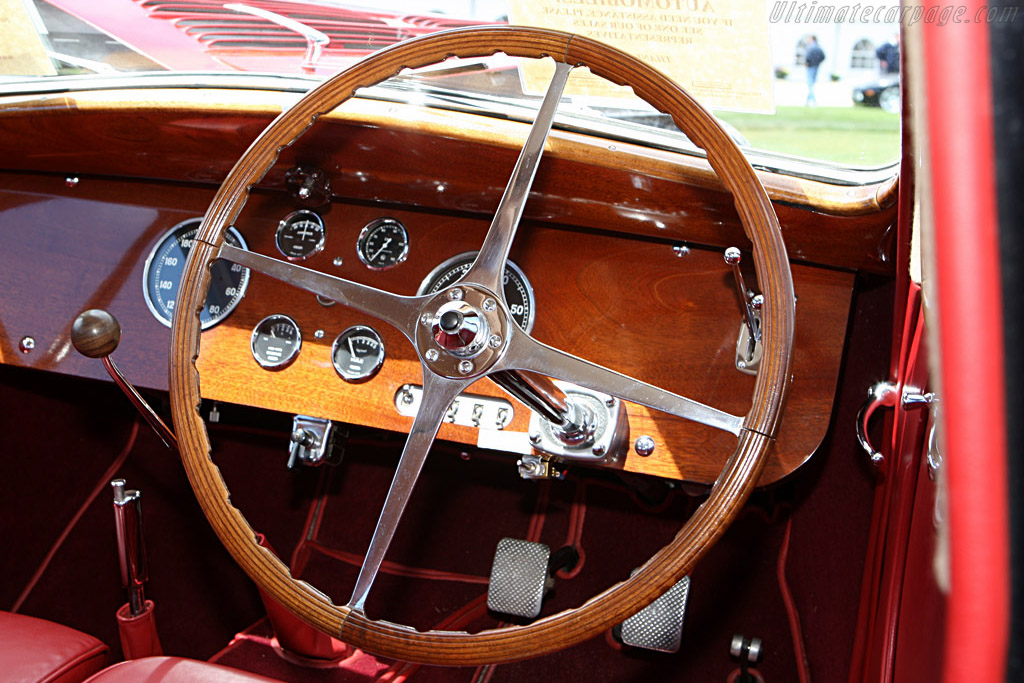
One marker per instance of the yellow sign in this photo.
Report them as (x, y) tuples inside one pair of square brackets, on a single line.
[(22, 53), (718, 50)]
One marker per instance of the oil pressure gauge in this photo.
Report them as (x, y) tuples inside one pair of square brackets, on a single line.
[(276, 341), (383, 244), (358, 354), (300, 234)]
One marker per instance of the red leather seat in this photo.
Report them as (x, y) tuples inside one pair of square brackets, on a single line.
[(38, 651), (173, 670)]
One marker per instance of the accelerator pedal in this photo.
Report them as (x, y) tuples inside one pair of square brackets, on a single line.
[(659, 626), (522, 574)]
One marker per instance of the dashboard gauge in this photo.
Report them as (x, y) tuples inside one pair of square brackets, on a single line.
[(276, 341), (383, 244), (300, 235), (358, 354), (517, 289), (166, 264)]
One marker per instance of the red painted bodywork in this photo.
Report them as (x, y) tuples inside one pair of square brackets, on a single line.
[(970, 334), (204, 34)]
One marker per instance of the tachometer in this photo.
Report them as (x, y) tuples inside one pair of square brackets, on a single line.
[(166, 263), (517, 289), (383, 244)]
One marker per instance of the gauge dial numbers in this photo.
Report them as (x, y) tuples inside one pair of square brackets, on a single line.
[(276, 341), (517, 289), (166, 264), (358, 354), (300, 234), (383, 244)]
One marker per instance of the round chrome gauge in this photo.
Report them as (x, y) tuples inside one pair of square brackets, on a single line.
[(276, 341), (300, 235), (383, 244), (166, 263), (517, 289), (358, 354)]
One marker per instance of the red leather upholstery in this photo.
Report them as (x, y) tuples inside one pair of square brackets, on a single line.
[(173, 670), (38, 651)]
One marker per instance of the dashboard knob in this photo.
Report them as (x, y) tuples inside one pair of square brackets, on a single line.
[(95, 333)]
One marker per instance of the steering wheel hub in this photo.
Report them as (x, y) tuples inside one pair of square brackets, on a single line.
[(464, 331)]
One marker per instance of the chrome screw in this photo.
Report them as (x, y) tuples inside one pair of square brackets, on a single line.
[(27, 344), (610, 402), (455, 294), (495, 341), (680, 250), (465, 367), (71, 181), (319, 334), (431, 355), (490, 304), (535, 438), (426, 319), (598, 450), (338, 261), (644, 445)]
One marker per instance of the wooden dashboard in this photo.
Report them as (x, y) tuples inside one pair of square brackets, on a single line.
[(597, 245)]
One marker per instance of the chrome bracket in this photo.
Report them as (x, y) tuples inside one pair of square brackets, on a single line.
[(312, 442), (748, 346), (468, 410), (607, 432)]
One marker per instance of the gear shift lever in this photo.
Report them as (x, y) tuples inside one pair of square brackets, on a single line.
[(96, 334)]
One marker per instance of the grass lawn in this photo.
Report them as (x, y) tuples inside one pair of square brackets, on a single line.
[(852, 136)]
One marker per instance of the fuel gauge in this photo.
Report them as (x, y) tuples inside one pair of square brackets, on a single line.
[(358, 354), (276, 341)]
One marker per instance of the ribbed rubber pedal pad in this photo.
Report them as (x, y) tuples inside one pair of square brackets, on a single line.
[(659, 626)]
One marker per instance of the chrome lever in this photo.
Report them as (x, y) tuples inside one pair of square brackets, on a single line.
[(131, 546), (733, 257)]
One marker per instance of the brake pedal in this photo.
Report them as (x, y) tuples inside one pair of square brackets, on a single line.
[(659, 626), (522, 574), (519, 578)]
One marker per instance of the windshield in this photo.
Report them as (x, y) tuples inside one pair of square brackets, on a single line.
[(788, 88)]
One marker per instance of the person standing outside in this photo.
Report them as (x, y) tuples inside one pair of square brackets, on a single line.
[(889, 56), (813, 57)]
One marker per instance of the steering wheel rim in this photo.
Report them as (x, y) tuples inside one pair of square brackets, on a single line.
[(704, 527)]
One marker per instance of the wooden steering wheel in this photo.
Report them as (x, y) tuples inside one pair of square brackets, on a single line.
[(505, 348)]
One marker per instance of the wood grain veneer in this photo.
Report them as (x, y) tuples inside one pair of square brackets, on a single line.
[(603, 296), (442, 160)]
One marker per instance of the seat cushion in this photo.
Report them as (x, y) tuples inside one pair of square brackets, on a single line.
[(39, 651), (174, 670)]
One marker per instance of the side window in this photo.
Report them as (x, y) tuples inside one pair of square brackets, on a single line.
[(863, 55)]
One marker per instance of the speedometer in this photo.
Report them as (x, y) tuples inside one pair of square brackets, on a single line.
[(517, 289), (166, 264)]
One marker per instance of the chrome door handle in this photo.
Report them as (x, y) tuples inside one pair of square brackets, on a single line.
[(885, 395)]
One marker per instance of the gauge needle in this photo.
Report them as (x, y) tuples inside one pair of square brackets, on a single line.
[(382, 248), (351, 348)]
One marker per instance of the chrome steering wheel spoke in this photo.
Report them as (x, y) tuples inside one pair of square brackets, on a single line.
[(438, 393), (399, 311), (526, 353), (489, 267)]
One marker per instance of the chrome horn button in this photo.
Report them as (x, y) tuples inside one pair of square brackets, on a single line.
[(463, 331), (460, 329)]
